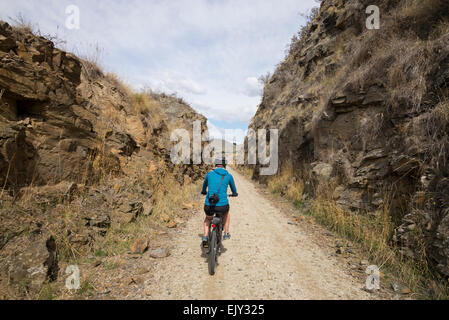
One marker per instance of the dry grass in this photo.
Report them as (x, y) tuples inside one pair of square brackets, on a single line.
[(441, 112), (168, 200), (145, 104), (247, 171), (116, 82), (23, 27), (103, 166), (372, 231), (418, 13), (63, 218), (288, 185), (404, 59), (92, 61), (92, 70), (149, 107), (403, 56)]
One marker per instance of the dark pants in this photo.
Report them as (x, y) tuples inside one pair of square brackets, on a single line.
[(221, 209)]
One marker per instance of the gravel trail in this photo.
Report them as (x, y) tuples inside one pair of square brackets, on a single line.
[(266, 258)]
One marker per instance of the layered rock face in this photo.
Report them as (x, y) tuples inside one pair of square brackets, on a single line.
[(68, 131), (180, 115), (59, 113), (366, 111)]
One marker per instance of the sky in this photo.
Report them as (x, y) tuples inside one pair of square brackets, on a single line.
[(209, 52)]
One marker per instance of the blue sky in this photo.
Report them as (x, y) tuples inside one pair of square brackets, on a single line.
[(210, 52)]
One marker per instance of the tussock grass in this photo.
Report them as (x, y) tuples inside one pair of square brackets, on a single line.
[(287, 185), (22, 27), (245, 170), (145, 104), (47, 293), (168, 199), (372, 231), (118, 83)]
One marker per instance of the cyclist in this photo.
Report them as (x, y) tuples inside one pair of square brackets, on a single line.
[(217, 181)]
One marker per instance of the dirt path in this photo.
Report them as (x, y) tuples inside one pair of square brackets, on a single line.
[(266, 258)]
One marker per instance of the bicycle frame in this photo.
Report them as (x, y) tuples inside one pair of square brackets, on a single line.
[(215, 238), (217, 224)]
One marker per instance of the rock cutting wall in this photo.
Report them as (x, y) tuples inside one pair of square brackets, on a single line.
[(367, 111)]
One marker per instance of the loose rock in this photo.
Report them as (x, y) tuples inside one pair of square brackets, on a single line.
[(139, 246), (159, 253)]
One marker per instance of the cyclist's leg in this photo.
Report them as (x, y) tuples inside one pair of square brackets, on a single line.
[(227, 220), (207, 222)]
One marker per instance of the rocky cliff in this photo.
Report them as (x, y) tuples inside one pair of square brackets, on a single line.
[(70, 132), (367, 112)]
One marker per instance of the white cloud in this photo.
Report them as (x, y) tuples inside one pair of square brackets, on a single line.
[(171, 82), (215, 49), (227, 109), (231, 135), (253, 87), (214, 131)]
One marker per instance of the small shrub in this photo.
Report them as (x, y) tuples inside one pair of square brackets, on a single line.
[(144, 103), (47, 293)]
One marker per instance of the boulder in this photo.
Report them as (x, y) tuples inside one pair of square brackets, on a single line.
[(131, 210), (34, 264), (159, 253), (165, 217), (352, 199), (400, 288), (322, 171), (171, 224), (139, 246), (148, 208), (99, 220), (6, 44), (374, 95), (123, 143), (440, 246)]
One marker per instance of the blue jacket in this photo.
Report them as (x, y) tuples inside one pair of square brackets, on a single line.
[(212, 182)]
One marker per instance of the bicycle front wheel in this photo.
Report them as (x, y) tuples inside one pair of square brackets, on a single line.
[(213, 252)]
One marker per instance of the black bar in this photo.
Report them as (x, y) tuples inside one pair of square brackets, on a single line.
[(238, 309)]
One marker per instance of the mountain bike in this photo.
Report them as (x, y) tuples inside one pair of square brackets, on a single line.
[(215, 240)]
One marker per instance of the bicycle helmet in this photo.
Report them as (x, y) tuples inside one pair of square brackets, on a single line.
[(220, 162)]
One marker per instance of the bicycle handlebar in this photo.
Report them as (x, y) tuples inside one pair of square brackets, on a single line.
[(229, 195)]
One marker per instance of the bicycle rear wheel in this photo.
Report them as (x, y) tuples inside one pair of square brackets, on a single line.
[(213, 252)]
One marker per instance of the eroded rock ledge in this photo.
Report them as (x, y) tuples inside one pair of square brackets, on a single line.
[(68, 131), (366, 111)]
